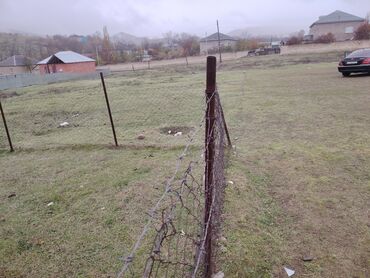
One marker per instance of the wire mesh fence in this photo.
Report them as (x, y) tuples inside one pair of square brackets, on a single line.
[(183, 227), (28, 79), (146, 111), (173, 242), (149, 110), (45, 117)]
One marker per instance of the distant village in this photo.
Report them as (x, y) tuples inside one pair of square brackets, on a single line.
[(58, 54)]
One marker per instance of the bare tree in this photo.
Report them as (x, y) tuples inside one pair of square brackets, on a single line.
[(107, 47), (363, 32)]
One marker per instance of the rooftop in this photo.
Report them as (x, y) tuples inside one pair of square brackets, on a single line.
[(214, 37), (337, 17), (66, 57)]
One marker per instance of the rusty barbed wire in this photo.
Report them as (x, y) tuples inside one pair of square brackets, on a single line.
[(177, 219), (129, 259)]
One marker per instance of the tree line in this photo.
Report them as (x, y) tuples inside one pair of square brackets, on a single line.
[(99, 46), (107, 50)]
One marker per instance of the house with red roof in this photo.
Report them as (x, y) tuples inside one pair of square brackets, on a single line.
[(67, 61)]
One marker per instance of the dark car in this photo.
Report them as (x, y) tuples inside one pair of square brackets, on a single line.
[(356, 62), (252, 52)]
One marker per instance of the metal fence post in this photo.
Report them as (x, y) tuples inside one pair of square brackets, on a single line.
[(6, 128), (209, 161), (109, 111)]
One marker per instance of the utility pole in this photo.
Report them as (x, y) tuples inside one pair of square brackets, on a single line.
[(97, 55), (219, 42), (206, 45)]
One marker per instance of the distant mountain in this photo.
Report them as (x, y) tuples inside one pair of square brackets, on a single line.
[(240, 33), (261, 31), (127, 38)]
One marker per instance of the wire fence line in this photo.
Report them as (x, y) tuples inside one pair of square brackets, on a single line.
[(179, 237), (145, 113), (184, 225), (177, 219), (169, 189), (54, 116), (27, 79)]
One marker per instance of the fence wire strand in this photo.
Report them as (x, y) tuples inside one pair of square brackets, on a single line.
[(176, 222), (74, 113)]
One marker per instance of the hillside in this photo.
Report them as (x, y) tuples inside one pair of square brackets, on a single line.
[(39, 47), (127, 38)]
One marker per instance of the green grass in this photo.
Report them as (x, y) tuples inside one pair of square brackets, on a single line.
[(100, 194), (300, 168), (303, 133)]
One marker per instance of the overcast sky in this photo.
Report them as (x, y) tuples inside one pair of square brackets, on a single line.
[(155, 17)]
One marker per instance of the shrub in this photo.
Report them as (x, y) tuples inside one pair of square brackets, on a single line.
[(327, 38), (244, 44), (294, 40), (363, 32)]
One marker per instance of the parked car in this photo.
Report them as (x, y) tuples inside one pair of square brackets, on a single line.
[(252, 52), (356, 62), (264, 51)]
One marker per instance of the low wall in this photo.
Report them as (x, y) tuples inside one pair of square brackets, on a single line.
[(24, 80), (324, 47)]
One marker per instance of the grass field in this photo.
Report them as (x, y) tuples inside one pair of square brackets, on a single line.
[(300, 171)]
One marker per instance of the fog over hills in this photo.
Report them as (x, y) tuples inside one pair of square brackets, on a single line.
[(263, 31), (144, 18), (127, 38)]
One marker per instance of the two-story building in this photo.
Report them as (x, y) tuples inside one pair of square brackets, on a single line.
[(342, 25)]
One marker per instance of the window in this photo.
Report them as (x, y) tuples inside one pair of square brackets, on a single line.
[(359, 53), (349, 30)]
